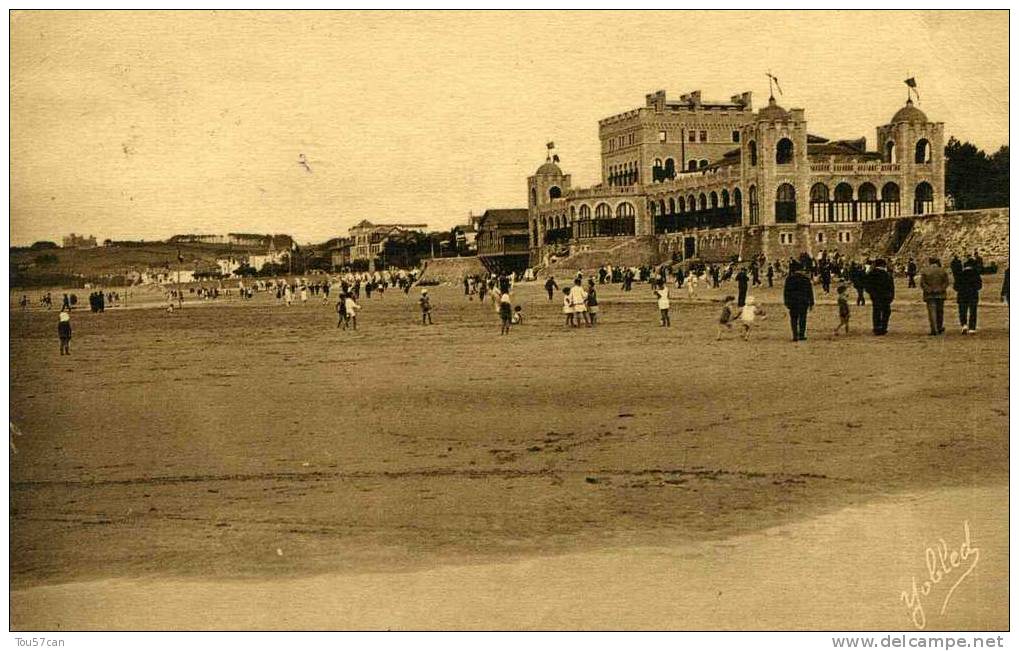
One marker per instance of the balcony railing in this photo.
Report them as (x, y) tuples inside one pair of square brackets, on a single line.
[(856, 167), (604, 227), (710, 218)]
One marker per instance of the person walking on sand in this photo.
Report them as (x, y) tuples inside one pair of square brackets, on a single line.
[(663, 305), (748, 315), (351, 307), (728, 315), (798, 297), (881, 289), (578, 298), (741, 287), (426, 308), (592, 302), (505, 313), (567, 307), (551, 286), (843, 304), (64, 331), (341, 311), (967, 291), (934, 285)]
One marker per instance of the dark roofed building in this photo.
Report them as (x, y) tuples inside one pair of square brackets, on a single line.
[(503, 242)]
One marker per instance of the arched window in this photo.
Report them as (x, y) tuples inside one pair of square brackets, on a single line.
[(603, 211), (819, 209), (890, 152), (691, 166), (755, 215), (785, 204), (682, 204), (923, 151), (725, 198), (585, 212), (702, 202), (672, 206), (784, 151), (670, 168), (890, 206), (554, 192), (653, 207), (714, 200), (866, 205), (573, 214), (661, 206), (752, 148), (923, 203), (702, 163), (625, 210), (842, 208), (737, 198)]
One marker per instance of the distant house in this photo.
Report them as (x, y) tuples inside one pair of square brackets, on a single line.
[(368, 239), (74, 241), (503, 241), (339, 252)]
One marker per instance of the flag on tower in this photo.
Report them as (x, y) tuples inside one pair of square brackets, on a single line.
[(911, 82), (774, 79), (549, 145)]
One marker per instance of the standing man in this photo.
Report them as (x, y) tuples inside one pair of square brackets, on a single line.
[(967, 291), (741, 282), (881, 287), (856, 275), (934, 284), (798, 296), (771, 275)]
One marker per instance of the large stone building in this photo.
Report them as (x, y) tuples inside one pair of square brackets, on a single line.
[(697, 177)]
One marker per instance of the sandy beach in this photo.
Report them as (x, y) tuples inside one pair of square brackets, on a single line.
[(249, 466)]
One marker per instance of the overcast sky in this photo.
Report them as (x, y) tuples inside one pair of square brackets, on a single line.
[(141, 125)]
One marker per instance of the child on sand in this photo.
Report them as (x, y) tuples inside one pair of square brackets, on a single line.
[(518, 316), (567, 307), (426, 308), (341, 311), (748, 315), (663, 305), (729, 314), (505, 313), (351, 307), (64, 331), (843, 311), (592, 302)]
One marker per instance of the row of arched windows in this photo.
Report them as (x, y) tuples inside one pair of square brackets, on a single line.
[(784, 152), (843, 205), (624, 174)]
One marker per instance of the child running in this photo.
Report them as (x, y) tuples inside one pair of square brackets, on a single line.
[(426, 308), (505, 313), (729, 314), (663, 305), (843, 311), (748, 315)]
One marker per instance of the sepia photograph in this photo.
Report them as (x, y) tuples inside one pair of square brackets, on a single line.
[(422, 320)]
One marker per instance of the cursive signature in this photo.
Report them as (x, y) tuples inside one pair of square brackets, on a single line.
[(941, 562)]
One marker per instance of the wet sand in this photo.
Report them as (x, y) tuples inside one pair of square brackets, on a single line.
[(250, 447)]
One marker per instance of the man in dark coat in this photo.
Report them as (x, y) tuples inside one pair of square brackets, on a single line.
[(967, 289), (741, 282), (856, 277), (911, 272), (881, 288), (798, 296), (934, 284)]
